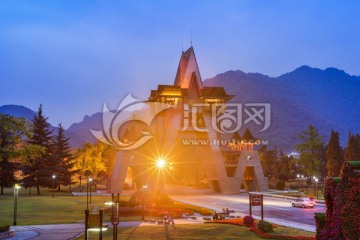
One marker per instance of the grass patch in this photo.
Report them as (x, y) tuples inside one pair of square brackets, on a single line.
[(181, 231), (43, 209), (195, 209), (286, 231)]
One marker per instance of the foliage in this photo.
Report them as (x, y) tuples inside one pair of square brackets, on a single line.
[(352, 151), (4, 228), (309, 149), (334, 156), (63, 158), (37, 170), (320, 220), (276, 164), (249, 221), (264, 226), (280, 185), (268, 160), (13, 132), (284, 233), (95, 158), (342, 199), (322, 163)]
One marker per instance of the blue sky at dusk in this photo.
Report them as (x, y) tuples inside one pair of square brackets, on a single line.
[(72, 56)]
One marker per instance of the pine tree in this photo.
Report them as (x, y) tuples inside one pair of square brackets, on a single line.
[(63, 158), (352, 151), (309, 150), (334, 156), (37, 171), (323, 162)]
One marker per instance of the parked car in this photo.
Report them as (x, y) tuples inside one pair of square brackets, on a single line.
[(303, 202)]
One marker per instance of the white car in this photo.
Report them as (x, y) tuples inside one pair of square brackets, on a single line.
[(303, 202)]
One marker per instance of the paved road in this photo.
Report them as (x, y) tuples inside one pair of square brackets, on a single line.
[(275, 210)]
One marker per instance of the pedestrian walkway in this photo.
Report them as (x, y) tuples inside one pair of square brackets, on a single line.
[(72, 231)]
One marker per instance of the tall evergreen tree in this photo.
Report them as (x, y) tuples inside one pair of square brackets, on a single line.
[(309, 150), (334, 156), (63, 158), (268, 162), (12, 132), (37, 171), (352, 151), (323, 163)]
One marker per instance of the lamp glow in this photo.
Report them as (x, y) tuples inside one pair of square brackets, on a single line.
[(160, 163)]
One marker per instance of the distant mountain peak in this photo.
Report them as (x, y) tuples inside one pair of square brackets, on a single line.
[(17, 111)]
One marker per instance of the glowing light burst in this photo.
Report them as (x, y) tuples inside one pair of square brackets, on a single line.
[(160, 163)]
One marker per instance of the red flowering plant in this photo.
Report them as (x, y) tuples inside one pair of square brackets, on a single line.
[(240, 222), (249, 221), (234, 221)]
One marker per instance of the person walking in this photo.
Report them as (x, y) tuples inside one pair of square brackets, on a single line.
[(171, 220)]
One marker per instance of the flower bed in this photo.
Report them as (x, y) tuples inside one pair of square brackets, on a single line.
[(240, 222)]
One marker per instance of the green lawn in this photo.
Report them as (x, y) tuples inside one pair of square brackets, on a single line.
[(194, 231), (285, 231), (65, 208), (183, 231), (43, 209)]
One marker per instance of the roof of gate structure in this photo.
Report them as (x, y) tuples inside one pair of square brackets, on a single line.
[(187, 66), (247, 136), (188, 83)]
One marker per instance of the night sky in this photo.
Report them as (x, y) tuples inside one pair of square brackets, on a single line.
[(73, 56)]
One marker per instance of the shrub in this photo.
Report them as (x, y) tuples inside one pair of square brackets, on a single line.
[(4, 228), (248, 221), (284, 176), (342, 205), (280, 185), (264, 226), (320, 219)]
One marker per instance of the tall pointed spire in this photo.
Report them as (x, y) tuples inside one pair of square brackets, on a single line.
[(191, 37), (187, 66)]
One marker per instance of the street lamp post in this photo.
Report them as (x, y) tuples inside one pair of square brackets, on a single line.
[(16, 193), (90, 180), (53, 183), (87, 196), (298, 179), (316, 182), (80, 183), (143, 202), (314, 185)]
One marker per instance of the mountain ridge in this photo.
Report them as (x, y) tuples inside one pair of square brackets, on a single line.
[(328, 99)]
